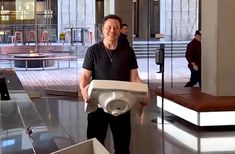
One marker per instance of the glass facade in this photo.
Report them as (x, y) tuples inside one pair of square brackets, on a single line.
[(154, 23), (26, 16)]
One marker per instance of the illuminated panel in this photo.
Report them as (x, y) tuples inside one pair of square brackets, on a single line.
[(8, 142), (180, 135), (201, 143), (25, 9), (5, 15), (218, 144), (217, 118), (178, 110)]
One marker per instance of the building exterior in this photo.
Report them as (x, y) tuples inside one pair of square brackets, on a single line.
[(177, 20)]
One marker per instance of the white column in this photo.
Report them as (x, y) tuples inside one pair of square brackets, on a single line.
[(123, 8), (218, 43)]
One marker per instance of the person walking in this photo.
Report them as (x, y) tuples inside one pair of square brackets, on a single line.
[(193, 56)]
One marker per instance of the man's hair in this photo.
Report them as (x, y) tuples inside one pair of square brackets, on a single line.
[(122, 25), (112, 16), (198, 32)]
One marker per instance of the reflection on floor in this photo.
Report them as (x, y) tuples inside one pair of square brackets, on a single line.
[(149, 135), (66, 125)]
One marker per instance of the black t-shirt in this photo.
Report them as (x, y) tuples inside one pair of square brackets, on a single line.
[(106, 65)]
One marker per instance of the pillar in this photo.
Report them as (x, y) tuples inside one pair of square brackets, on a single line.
[(218, 47), (123, 8)]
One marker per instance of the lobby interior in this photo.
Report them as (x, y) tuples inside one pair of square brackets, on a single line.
[(45, 112)]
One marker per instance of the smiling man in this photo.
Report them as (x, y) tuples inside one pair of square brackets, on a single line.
[(108, 60)]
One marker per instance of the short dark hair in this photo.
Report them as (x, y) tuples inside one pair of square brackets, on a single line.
[(112, 16), (198, 32), (122, 25)]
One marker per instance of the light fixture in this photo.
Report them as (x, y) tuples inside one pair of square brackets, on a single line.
[(48, 13)]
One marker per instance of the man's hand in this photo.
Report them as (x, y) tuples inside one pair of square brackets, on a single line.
[(141, 108), (84, 92), (146, 100), (195, 67)]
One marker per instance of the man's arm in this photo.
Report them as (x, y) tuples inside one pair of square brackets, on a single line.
[(189, 56), (84, 83), (135, 76)]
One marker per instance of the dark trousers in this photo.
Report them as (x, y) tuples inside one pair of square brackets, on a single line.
[(194, 78), (120, 126)]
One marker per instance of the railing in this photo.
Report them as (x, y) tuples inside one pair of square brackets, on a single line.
[(42, 60)]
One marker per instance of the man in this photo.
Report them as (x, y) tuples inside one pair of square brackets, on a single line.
[(193, 56), (123, 35), (108, 60)]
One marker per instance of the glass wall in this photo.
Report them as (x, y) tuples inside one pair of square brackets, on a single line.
[(44, 43), (27, 15), (170, 23)]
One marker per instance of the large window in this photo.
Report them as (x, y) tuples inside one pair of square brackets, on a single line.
[(28, 12), (28, 15), (25, 9)]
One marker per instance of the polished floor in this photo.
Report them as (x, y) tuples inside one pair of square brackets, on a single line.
[(55, 122), (149, 134)]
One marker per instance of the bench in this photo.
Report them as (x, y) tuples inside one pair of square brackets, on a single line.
[(198, 108), (61, 92), (44, 59)]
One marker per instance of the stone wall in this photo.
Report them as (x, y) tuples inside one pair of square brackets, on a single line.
[(76, 13)]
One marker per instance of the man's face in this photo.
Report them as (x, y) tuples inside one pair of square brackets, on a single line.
[(111, 29), (124, 30), (198, 37)]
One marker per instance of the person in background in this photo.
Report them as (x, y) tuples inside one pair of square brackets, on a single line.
[(109, 60), (193, 56), (123, 35)]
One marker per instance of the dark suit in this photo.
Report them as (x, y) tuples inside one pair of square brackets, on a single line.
[(122, 40), (193, 55)]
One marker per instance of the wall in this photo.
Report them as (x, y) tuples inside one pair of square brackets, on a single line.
[(124, 10), (218, 47), (76, 13)]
